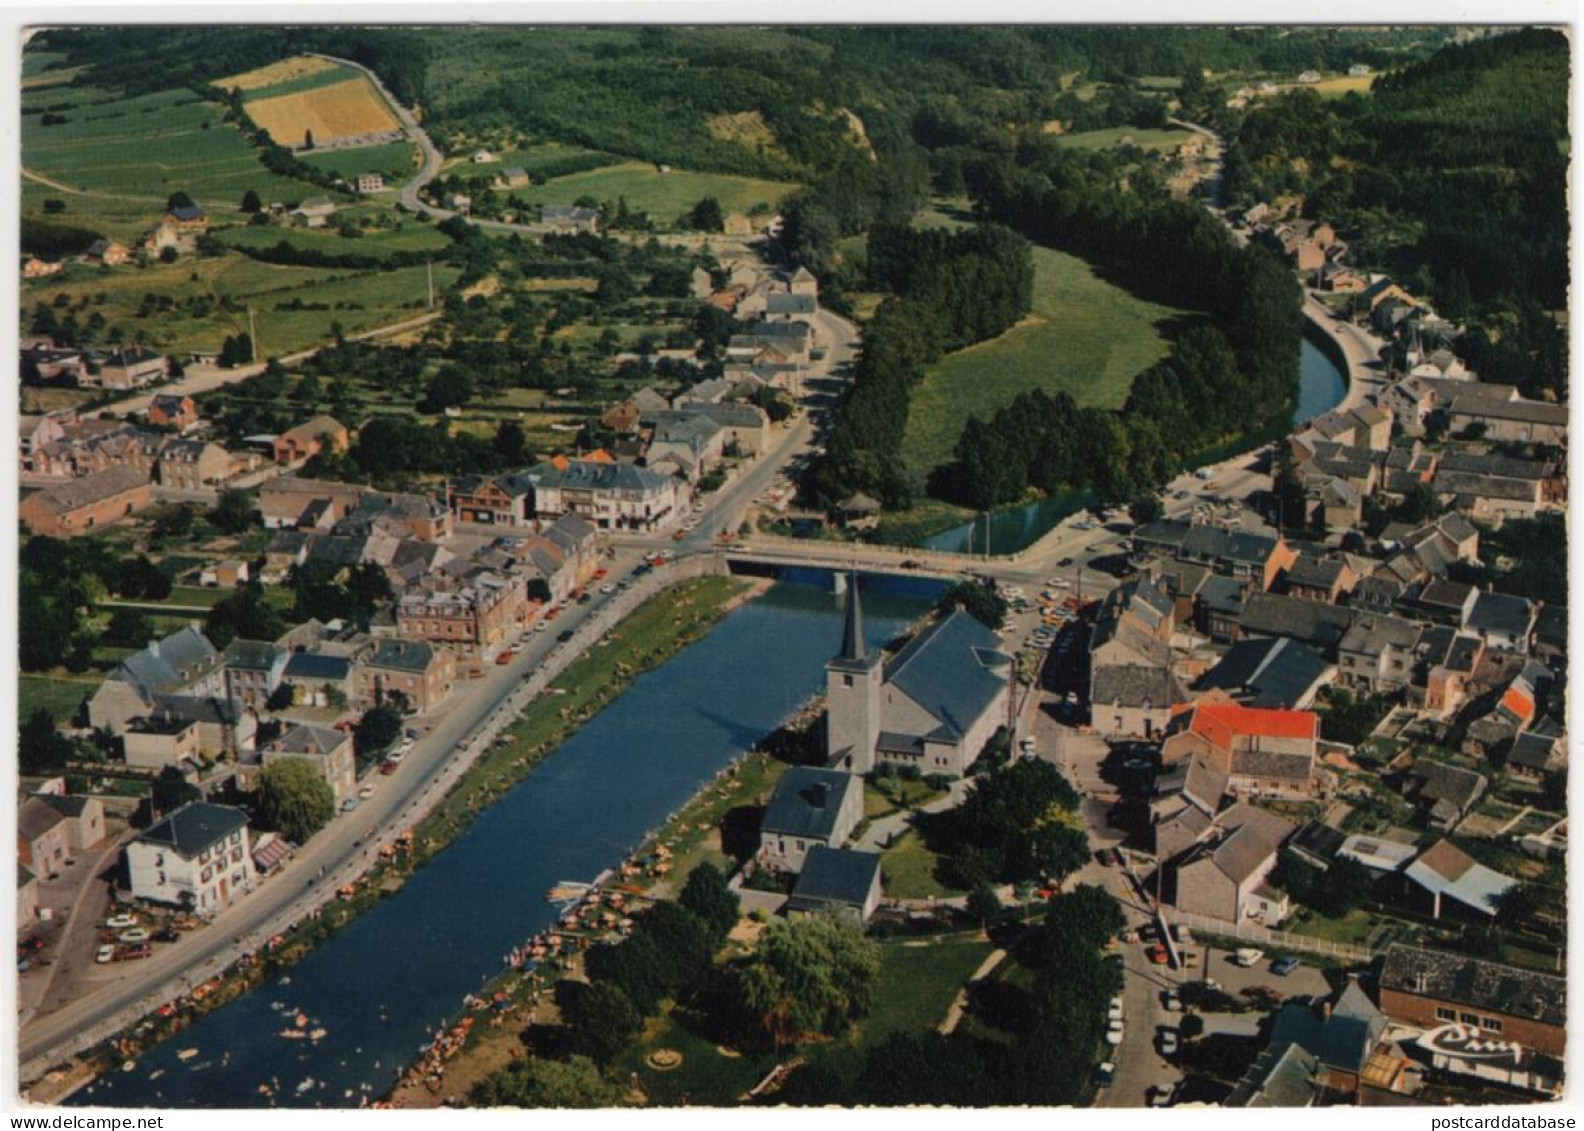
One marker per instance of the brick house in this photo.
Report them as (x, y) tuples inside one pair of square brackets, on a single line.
[(1431, 988), (308, 439), (423, 673), (192, 465), (131, 368), (1263, 752), (88, 503), (168, 410), (253, 670), (327, 750)]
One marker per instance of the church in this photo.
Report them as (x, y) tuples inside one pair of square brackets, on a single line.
[(934, 705)]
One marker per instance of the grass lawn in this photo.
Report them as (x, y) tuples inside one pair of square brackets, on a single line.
[(665, 196), (398, 159), (1354, 927), (892, 794), (918, 980), (1160, 141), (925, 517), (908, 871), (400, 235), (59, 695), (1083, 336)]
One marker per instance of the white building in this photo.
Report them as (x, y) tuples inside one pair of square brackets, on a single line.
[(197, 857)]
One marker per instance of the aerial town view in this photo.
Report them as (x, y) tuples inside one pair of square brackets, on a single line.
[(635, 567)]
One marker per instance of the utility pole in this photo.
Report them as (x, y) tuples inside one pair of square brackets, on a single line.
[(252, 334)]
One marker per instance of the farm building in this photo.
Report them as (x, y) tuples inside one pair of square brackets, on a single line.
[(370, 182), (87, 503)]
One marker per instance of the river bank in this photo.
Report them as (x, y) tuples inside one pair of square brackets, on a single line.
[(663, 625), (393, 978)]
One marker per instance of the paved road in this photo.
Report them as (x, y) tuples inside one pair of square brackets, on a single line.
[(399, 800)]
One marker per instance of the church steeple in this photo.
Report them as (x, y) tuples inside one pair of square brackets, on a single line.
[(853, 647)]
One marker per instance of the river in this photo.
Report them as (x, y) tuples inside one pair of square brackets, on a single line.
[(1321, 387), (384, 982)]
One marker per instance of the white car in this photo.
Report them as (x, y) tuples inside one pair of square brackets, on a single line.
[(541, 627), (367, 791), (106, 953), (1168, 1042), (135, 935), (1115, 1012), (1114, 1033), (607, 589), (121, 922), (1171, 1002)]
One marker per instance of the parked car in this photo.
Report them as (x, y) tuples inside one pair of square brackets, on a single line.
[(1115, 1011), (106, 953), (1104, 1073), (349, 804), (1247, 956), (1170, 1002), (1284, 966), (1168, 1042), (367, 791), (121, 922), (135, 935), (1114, 1033)]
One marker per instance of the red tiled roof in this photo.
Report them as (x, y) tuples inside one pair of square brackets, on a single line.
[(1518, 703), (1220, 723)]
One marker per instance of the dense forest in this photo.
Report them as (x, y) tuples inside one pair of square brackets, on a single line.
[(1452, 176)]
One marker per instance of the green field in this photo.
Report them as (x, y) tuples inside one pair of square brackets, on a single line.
[(413, 236), (665, 196), (1083, 336), (394, 160), (1160, 141), (327, 77), (908, 868), (138, 151), (59, 696), (357, 300), (531, 158)]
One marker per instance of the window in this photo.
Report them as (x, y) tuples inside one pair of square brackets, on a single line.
[(800, 846), (1469, 1018), (1490, 1024), (847, 681), (1443, 1014)]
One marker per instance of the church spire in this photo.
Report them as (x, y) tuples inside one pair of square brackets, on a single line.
[(853, 647)]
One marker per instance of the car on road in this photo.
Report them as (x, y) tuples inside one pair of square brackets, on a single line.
[(1170, 1002), (367, 791), (121, 922), (912, 563), (1167, 1042), (106, 953), (388, 767), (607, 589), (1158, 1096), (1064, 563), (349, 804), (1157, 954), (1284, 966), (563, 636)]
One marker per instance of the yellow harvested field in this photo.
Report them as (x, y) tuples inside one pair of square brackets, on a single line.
[(299, 66), (342, 109), (1334, 87)]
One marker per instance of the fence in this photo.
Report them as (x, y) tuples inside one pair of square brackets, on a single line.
[(1246, 932)]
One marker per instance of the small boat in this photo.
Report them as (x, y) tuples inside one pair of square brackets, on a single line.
[(186, 1054), (156, 1074), (293, 1034), (129, 1066), (307, 1083), (318, 1034)]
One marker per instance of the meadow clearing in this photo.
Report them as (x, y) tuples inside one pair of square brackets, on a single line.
[(1159, 141), (346, 108), (665, 196), (397, 160), (1083, 336)]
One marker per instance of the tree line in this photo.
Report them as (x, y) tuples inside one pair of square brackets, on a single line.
[(952, 289)]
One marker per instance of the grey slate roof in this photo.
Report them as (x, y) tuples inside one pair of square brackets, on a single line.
[(1133, 686), (941, 671), (806, 802), (587, 475), (311, 665), (1270, 614), (182, 658), (1503, 613), (1267, 671), (834, 876), (195, 827), (401, 655), (1319, 573), (252, 655), (320, 742), (1475, 982)]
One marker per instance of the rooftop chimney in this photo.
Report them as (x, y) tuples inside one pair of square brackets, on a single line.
[(817, 795)]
